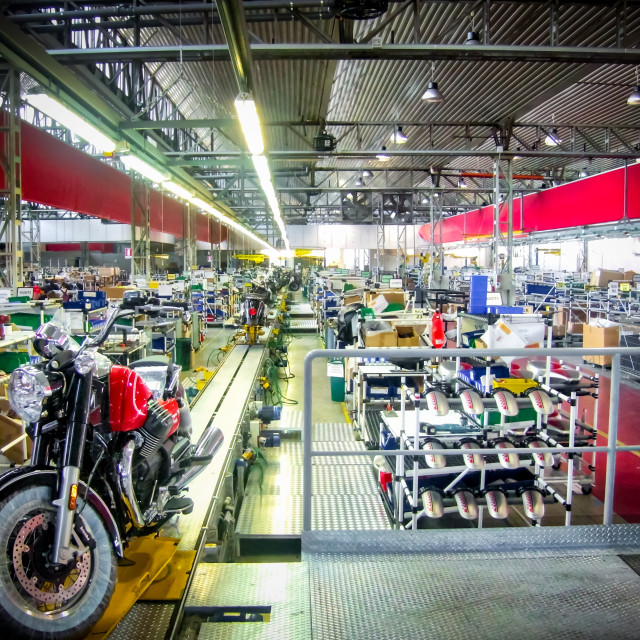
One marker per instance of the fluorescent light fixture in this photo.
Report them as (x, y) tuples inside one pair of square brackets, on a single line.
[(584, 173), (161, 256), (367, 174), (177, 190), (359, 182), (262, 169), (250, 123), (134, 163), (462, 183), (67, 118), (398, 137), (553, 139), (383, 156), (205, 206)]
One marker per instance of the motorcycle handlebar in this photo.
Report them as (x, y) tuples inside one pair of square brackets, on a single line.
[(106, 330)]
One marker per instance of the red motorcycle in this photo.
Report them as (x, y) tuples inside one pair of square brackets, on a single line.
[(111, 456)]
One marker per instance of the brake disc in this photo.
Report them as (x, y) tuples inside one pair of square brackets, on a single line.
[(52, 589)]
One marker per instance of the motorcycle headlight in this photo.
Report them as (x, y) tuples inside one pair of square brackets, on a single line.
[(91, 360), (28, 388)]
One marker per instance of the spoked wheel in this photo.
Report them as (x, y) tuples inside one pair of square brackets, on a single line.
[(42, 599)]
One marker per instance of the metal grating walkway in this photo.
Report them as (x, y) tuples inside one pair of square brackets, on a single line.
[(303, 324), (301, 309), (562, 583), (345, 495), (553, 582)]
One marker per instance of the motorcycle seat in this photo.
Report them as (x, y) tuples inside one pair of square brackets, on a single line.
[(151, 361)]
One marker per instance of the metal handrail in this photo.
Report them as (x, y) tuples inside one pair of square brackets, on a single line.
[(425, 353)]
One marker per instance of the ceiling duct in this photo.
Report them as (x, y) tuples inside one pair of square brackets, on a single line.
[(361, 9)]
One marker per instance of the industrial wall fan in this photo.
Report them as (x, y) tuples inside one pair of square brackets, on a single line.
[(357, 207), (397, 208)]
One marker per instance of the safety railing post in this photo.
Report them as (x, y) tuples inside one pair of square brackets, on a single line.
[(614, 404)]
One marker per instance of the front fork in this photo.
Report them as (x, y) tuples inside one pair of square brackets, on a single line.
[(78, 411)]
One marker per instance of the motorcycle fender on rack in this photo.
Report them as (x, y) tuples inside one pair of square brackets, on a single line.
[(14, 478)]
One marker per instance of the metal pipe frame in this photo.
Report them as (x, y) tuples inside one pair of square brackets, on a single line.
[(612, 448), (340, 51)]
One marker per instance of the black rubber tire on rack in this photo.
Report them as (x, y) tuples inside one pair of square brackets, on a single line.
[(294, 286), (21, 617), (586, 489)]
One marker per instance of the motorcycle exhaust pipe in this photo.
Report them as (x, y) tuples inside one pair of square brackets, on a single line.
[(206, 448)]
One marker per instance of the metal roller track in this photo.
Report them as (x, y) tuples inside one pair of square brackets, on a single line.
[(221, 405)]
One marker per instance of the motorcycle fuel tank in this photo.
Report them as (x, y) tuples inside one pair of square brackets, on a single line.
[(128, 397)]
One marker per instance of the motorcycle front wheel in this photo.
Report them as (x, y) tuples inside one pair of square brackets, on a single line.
[(39, 599)]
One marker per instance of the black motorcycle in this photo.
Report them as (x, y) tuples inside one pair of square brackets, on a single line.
[(111, 456)]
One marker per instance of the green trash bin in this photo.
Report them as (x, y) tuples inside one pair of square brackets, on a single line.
[(336, 377)]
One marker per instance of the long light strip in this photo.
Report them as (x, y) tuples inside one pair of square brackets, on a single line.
[(250, 124), (177, 190), (211, 210), (133, 163), (77, 125), (82, 129)]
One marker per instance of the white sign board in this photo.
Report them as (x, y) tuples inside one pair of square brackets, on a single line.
[(335, 370), (25, 291), (395, 283)]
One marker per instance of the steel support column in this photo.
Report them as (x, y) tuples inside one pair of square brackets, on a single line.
[(506, 283), (140, 230), (189, 239), (496, 217), (11, 259)]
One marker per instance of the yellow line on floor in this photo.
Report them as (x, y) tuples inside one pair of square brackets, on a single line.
[(619, 443), (346, 413)]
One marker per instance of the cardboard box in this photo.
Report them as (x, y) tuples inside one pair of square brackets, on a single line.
[(407, 337), (602, 277), (527, 308), (392, 296), (599, 337), (352, 299), (380, 339), (575, 327), (11, 429), (117, 293), (628, 275)]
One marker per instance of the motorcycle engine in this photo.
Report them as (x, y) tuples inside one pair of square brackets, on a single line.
[(154, 455)]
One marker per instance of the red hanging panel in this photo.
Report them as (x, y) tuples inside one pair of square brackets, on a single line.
[(58, 175), (594, 200)]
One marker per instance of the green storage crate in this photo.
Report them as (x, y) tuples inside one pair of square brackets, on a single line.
[(11, 360), (183, 353), (524, 415), (29, 321)]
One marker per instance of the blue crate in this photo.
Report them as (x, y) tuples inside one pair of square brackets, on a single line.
[(505, 310), (93, 295), (477, 308)]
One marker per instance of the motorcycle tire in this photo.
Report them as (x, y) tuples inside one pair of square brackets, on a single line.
[(294, 286), (29, 584)]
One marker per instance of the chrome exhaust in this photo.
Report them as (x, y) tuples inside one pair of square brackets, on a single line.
[(210, 441), (125, 466)]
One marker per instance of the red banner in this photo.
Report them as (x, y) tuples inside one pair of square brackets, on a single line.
[(607, 197), (58, 175), (63, 246)]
